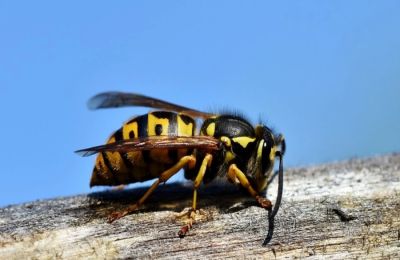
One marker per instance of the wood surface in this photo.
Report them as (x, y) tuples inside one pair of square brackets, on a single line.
[(341, 210)]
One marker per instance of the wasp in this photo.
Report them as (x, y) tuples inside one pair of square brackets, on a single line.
[(159, 144)]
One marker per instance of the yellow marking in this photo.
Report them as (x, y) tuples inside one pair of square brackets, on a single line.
[(158, 155), (184, 129), (111, 140), (210, 129), (260, 148), (115, 158), (226, 141), (272, 153), (129, 127), (153, 121), (101, 167), (243, 140), (229, 156), (136, 158)]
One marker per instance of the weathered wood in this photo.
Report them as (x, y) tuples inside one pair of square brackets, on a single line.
[(342, 210)]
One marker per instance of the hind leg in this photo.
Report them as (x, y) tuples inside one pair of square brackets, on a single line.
[(189, 160)]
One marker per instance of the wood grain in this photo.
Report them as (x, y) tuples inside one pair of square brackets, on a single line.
[(339, 210)]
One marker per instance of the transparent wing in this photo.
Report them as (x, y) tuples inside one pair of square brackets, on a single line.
[(120, 99), (156, 142)]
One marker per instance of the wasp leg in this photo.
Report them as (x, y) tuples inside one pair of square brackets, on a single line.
[(189, 160), (199, 178), (236, 175)]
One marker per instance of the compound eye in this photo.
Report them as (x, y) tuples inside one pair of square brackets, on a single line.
[(266, 160)]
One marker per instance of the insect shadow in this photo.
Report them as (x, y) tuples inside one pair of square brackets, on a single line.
[(225, 197)]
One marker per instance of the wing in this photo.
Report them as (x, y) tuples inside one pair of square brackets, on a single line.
[(156, 142), (120, 99)]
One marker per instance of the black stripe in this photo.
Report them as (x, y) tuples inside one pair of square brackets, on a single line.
[(118, 137), (163, 114), (186, 119), (108, 163), (158, 129), (242, 152), (128, 163), (142, 122)]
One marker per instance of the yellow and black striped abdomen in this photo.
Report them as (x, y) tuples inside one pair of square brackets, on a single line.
[(115, 168)]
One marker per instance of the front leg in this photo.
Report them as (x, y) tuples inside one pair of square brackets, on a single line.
[(237, 176)]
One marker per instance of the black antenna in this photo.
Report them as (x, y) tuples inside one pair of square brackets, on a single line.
[(272, 213)]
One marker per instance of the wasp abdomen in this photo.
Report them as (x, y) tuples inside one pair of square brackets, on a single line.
[(115, 168)]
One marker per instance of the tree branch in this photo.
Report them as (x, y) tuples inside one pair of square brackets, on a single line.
[(345, 210)]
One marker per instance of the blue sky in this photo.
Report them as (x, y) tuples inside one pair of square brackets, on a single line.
[(324, 73)]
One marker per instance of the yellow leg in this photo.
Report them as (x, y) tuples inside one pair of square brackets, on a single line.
[(236, 175), (199, 178), (189, 160)]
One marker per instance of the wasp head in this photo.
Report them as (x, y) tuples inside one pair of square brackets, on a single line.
[(267, 148)]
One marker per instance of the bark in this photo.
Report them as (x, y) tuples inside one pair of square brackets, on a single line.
[(341, 210)]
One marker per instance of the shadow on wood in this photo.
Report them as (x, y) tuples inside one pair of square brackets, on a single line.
[(176, 197)]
